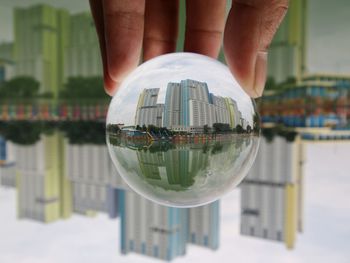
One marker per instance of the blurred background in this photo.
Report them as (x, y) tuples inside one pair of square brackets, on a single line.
[(62, 201)]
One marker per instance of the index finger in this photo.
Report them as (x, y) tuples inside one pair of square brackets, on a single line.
[(249, 30)]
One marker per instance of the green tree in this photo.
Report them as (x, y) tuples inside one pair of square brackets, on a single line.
[(249, 129), (20, 87), (221, 128), (239, 128), (205, 129), (256, 123), (81, 132), (84, 88), (270, 84), (21, 132), (113, 128)]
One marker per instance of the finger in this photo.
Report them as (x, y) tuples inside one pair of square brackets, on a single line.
[(205, 21), (97, 13), (123, 24), (250, 27), (161, 27)]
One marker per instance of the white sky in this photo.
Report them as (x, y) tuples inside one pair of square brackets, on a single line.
[(325, 238)]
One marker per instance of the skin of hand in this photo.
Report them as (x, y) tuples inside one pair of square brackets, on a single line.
[(127, 27)]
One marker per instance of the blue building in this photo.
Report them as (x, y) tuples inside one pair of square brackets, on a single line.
[(163, 232)]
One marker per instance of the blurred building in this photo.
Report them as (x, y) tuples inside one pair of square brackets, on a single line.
[(6, 61), (82, 53), (163, 232), (272, 194), (151, 229), (88, 167), (40, 34), (287, 52), (317, 100), (7, 164), (43, 191), (203, 225)]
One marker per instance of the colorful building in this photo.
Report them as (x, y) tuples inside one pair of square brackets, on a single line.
[(318, 100)]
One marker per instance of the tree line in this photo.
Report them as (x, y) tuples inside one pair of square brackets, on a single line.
[(26, 87)]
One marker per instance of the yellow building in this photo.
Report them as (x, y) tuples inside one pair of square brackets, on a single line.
[(287, 52)]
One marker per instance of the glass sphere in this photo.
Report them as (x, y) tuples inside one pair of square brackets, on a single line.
[(181, 131)]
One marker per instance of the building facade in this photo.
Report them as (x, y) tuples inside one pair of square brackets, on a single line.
[(43, 191), (204, 224), (188, 107), (7, 164), (6, 61), (148, 111), (88, 168), (287, 52), (271, 194), (151, 229), (81, 53), (40, 32)]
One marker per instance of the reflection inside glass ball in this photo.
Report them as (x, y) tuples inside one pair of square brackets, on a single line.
[(181, 131)]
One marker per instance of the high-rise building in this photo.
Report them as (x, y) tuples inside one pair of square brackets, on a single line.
[(172, 106), (159, 231), (43, 191), (287, 52), (271, 194), (222, 111), (188, 106), (151, 229), (81, 53), (88, 168), (203, 225), (3, 150), (148, 112), (235, 114), (7, 164), (40, 33), (6, 61)]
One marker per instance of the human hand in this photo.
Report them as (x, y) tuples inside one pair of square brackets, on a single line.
[(125, 27)]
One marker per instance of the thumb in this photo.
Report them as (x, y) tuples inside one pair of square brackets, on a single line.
[(250, 27)]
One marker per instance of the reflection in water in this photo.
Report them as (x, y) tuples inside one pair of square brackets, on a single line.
[(58, 176), (187, 172)]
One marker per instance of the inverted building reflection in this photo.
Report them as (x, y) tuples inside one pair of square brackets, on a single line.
[(61, 174), (272, 193), (176, 166)]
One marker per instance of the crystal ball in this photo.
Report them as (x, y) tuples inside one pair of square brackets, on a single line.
[(181, 131)]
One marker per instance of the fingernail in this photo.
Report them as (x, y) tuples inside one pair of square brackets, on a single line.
[(260, 74)]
